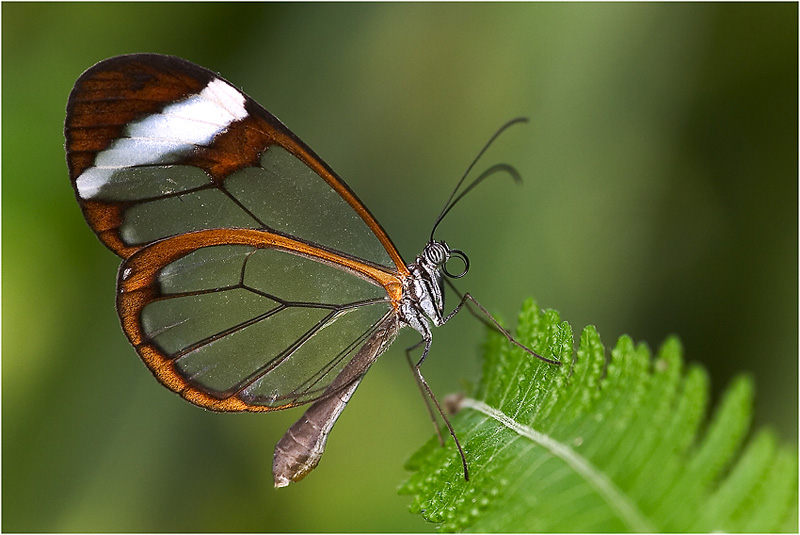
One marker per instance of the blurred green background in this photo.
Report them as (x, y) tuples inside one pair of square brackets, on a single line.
[(660, 197)]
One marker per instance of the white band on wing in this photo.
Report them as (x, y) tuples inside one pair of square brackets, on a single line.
[(166, 137)]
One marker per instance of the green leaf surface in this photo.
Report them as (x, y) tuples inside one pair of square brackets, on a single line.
[(621, 444)]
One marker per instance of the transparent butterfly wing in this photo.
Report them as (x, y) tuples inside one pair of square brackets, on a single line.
[(158, 146), (252, 273), (245, 326)]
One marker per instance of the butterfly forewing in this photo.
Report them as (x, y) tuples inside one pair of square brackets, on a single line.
[(253, 275), (158, 146)]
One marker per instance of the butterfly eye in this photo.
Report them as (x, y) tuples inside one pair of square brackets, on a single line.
[(461, 255), (437, 253)]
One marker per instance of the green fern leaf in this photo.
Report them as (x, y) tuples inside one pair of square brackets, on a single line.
[(617, 445)]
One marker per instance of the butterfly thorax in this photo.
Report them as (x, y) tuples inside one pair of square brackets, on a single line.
[(423, 294)]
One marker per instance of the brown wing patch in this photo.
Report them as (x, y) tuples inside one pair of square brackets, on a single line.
[(117, 91), (240, 146)]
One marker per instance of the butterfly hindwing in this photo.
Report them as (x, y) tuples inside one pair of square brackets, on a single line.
[(235, 322)]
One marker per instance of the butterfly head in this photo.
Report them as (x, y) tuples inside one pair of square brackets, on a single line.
[(438, 253)]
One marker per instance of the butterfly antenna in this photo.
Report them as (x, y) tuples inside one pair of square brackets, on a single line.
[(453, 199)]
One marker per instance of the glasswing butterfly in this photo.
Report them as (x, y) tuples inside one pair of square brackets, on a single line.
[(253, 278)]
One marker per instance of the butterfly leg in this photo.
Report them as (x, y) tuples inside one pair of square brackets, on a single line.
[(422, 391), (477, 316), (427, 390), (467, 298)]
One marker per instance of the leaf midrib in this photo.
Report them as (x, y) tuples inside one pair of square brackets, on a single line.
[(628, 511)]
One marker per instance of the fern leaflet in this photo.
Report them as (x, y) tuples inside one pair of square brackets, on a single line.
[(617, 445)]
